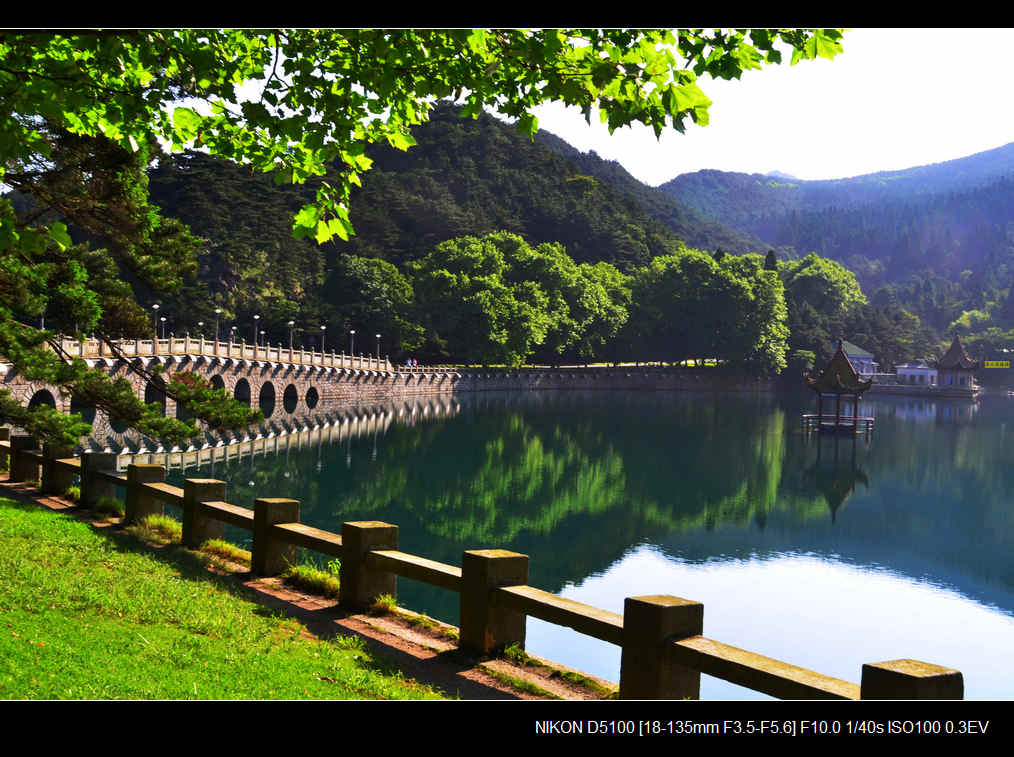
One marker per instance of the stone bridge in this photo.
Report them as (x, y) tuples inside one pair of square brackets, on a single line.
[(282, 382), (286, 383)]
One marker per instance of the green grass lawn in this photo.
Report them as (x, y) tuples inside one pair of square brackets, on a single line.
[(90, 615)]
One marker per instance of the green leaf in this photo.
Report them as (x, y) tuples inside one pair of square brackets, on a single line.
[(528, 124), (58, 233), (186, 123), (401, 140)]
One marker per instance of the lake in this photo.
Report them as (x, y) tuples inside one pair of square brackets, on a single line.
[(820, 552)]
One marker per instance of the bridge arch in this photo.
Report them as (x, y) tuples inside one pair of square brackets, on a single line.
[(312, 397), (290, 399), (217, 382), (242, 391), (154, 391), (87, 411), (266, 400), (42, 397)]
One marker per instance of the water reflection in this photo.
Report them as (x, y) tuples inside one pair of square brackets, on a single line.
[(721, 484)]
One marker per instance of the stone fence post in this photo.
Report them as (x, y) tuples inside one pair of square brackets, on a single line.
[(361, 585), (910, 679), (650, 624), (198, 528), (139, 505), (92, 487), (56, 479), (484, 628), (270, 557), (22, 467)]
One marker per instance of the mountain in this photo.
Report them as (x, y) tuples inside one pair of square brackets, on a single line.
[(736, 198), (692, 225), (464, 177), (939, 239)]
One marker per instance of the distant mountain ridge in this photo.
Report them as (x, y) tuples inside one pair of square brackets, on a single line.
[(737, 198)]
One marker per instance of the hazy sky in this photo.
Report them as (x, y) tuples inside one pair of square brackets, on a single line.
[(895, 98)]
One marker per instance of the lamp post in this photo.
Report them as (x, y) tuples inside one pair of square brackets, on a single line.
[(218, 312), (292, 325), (263, 343), (200, 329), (256, 318), (232, 334), (163, 326), (352, 342), (378, 348), (323, 333), (154, 319)]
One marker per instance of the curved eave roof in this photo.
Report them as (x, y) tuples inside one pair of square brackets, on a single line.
[(957, 358), (833, 384), (840, 377)]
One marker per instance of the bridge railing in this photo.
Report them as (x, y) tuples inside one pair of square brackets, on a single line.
[(187, 345), (663, 650)]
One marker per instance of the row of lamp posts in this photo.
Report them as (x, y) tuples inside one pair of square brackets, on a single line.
[(260, 334)]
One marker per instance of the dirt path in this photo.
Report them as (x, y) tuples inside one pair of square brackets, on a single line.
[(419, 647)]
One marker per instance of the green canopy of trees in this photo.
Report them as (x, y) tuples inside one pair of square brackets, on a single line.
[(83, 112)]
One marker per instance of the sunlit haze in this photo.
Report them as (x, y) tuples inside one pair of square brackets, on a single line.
[(895, 98)]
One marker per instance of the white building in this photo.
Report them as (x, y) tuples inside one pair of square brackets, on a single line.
[(918, 373), (861, 360)]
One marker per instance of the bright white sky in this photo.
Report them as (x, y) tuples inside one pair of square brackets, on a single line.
[(895, 98)]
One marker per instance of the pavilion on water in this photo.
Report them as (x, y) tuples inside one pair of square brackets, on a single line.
[(956, 368), (838, 378)]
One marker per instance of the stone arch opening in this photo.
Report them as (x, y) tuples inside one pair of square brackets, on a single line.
[(312, 398), (242, 391), (217, 382), (154, 391), (118, 426), (266, 400), (290, 398), (42, 397), (87, 411)]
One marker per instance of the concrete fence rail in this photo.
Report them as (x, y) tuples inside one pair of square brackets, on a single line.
[(663, 650), (96, 348)]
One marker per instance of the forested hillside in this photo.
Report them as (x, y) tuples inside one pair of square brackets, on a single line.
[(697, 229), (936, 241), (924, 266), (464, 177)]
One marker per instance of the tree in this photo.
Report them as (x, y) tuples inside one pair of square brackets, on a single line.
[(372, 296), (289, 102), (476, 299), (689, 305)]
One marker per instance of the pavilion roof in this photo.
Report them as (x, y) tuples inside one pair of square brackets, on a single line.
[(840, 377), (956, 357)]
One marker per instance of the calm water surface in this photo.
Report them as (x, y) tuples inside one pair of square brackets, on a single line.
[(820, 553)]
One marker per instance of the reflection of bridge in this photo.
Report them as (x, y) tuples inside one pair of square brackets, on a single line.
[(276, 379), (276, 437)]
